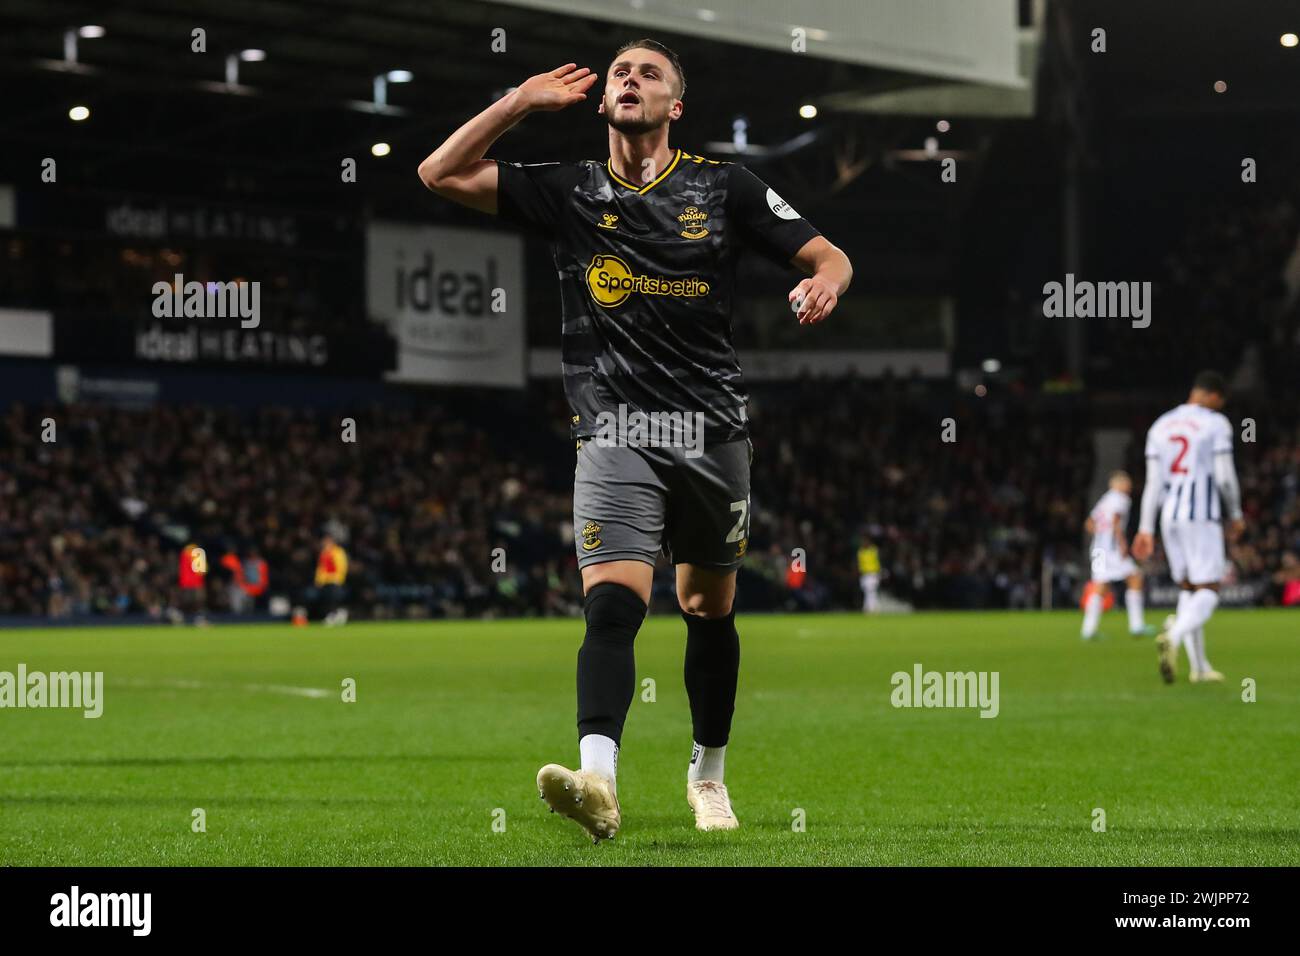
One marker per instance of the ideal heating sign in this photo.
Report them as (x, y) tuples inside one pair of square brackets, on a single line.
[(454, 300)]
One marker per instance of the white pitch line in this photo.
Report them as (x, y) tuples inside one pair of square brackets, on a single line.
[(209, 685), (295, 691)]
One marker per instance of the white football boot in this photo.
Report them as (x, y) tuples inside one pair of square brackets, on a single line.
[(712, 806), (583, 796), (1210, 676)]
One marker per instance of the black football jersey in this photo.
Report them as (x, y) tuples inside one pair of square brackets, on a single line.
[(647, 277)]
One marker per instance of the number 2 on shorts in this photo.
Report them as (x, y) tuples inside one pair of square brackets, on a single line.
[(738, 531)]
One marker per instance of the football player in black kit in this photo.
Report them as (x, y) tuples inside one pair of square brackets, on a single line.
[(645, 243)]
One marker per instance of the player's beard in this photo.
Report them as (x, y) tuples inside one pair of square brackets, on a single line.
[(639, 122)]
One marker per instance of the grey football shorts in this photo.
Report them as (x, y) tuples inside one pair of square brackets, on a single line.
[(631, 503)]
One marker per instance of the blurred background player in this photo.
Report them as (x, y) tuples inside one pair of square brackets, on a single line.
[(192, 575), (1108, 525), (1191, 479), (331, 573), (248, 579), (869, 575), (253, 579)]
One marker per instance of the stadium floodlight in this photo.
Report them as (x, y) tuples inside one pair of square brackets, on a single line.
[(380, 149), (234, 59), (740, 134), (808, 111), (90, 32), (1290, 39), (79, 113), (382, 81)]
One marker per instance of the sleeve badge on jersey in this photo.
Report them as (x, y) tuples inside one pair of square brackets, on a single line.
[(780, 208), (590, 536)]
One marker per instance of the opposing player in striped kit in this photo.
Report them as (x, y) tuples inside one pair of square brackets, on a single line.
[(1192, 482), (1111, 562)]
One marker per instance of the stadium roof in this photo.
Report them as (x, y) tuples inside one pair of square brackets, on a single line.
[(310, 95)]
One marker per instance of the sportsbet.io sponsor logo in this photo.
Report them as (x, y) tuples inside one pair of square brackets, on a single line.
[(611, 281)]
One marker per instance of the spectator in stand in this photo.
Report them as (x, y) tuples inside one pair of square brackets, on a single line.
[(1287, 580)]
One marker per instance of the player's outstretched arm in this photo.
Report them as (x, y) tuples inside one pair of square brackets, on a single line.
[(456, 170), (829, 274)]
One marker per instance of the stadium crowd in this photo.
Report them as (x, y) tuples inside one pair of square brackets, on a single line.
[(1224, 296), (964, 497), (93, 522)]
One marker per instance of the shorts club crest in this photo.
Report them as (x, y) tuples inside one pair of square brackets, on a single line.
[(590, 536)]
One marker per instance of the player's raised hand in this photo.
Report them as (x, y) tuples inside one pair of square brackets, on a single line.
[(812, 300), (561, 87), (1143, 545)]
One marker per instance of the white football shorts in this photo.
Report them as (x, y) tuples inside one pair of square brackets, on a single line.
[(1195, 551), (1110, 566)]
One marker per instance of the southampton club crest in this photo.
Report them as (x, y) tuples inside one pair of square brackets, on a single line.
[(693, 220), (591, 536)]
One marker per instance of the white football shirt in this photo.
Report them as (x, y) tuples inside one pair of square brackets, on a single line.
[(1110, 515), (1184, 442)]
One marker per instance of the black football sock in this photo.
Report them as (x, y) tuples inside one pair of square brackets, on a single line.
[(606, 663), (712, 670)]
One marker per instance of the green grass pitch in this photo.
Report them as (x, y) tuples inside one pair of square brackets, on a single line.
[(452, 720)]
